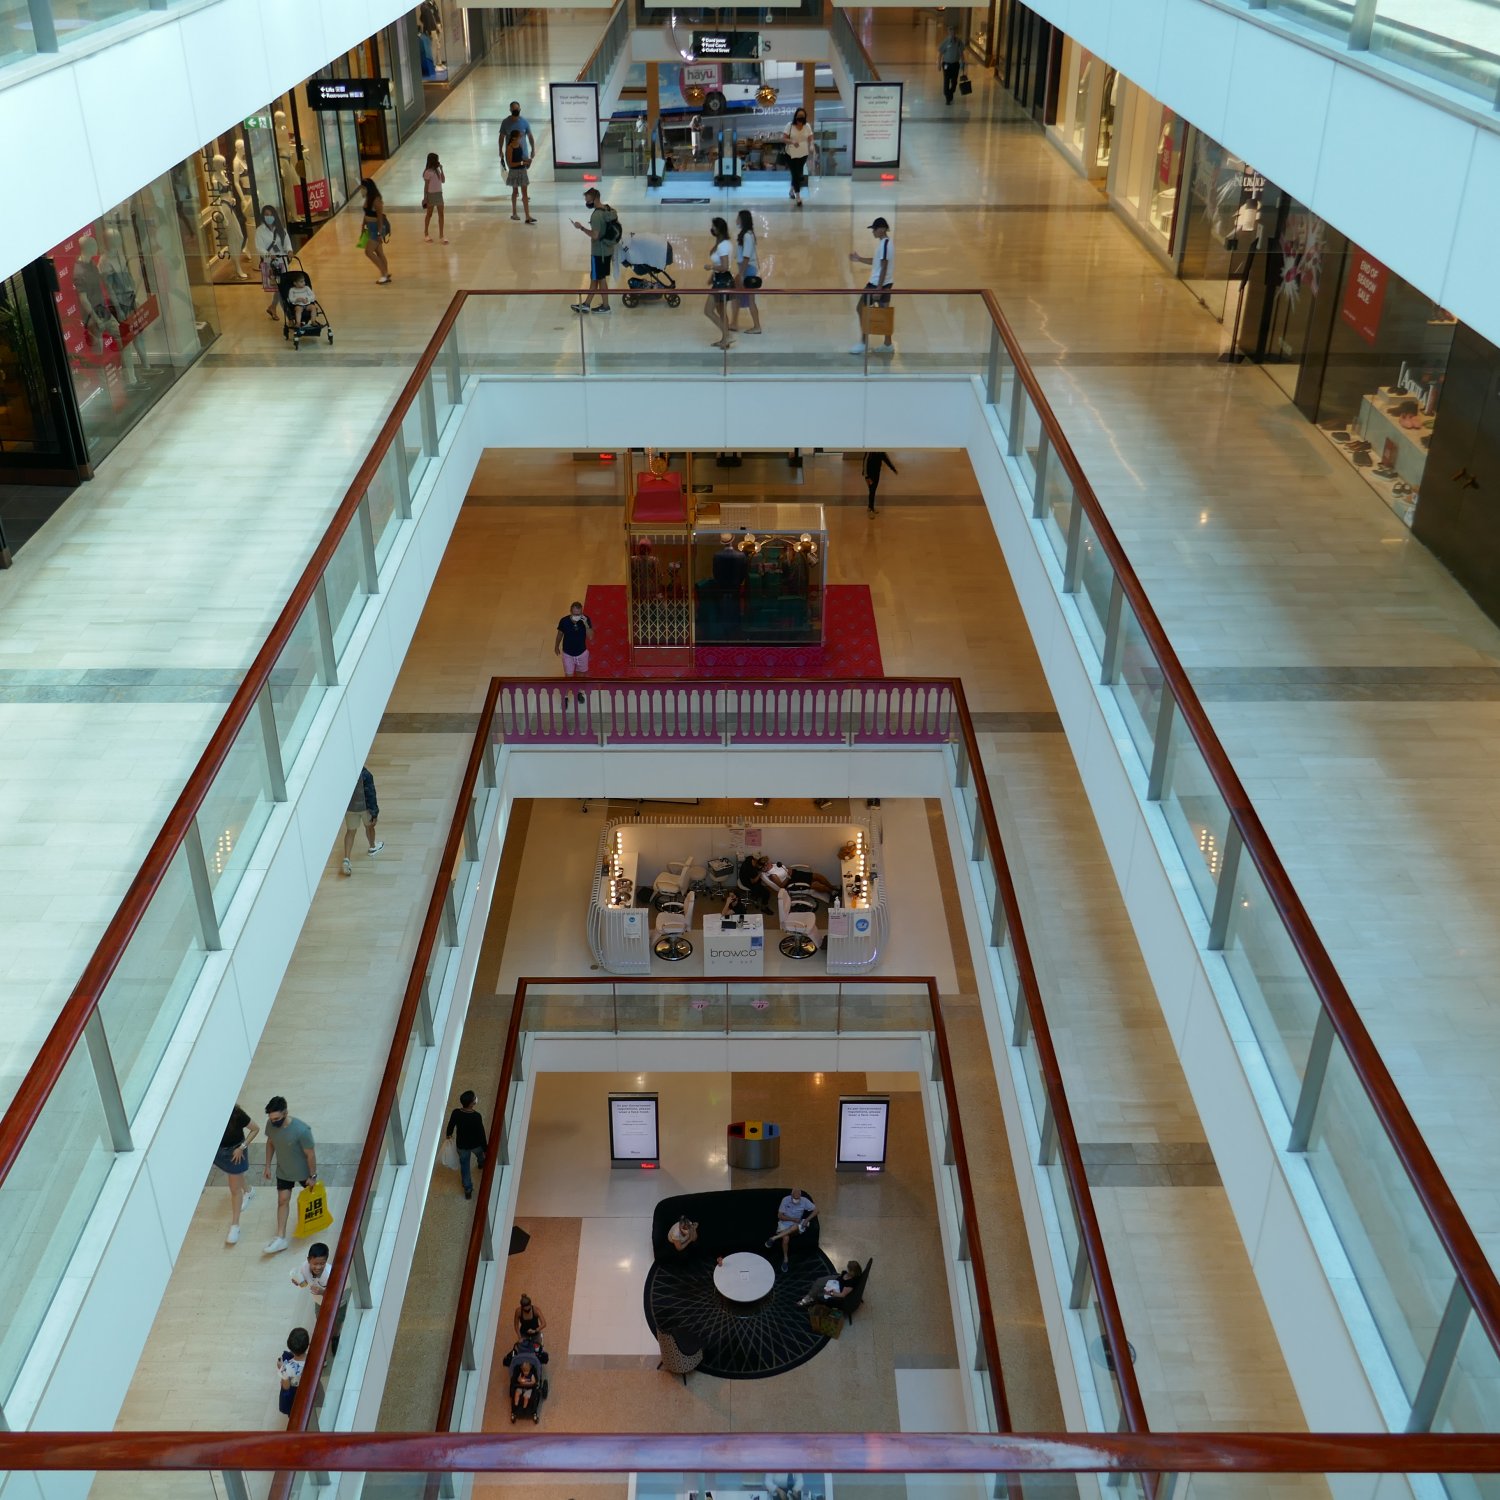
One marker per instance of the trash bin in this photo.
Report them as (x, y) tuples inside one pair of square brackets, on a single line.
[(754, 1145)]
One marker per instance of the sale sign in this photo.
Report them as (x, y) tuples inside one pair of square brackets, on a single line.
[(315, 199), (1364, 294)]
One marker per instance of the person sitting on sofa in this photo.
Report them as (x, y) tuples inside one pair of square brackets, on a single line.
[(683, 1234), (835, 1289), (794, 1213)]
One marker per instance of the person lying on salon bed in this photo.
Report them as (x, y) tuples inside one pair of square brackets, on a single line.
[(800, 880)]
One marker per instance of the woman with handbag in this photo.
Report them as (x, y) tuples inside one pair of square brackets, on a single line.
[(747, 259), (720, 266), (274, 246), (797, 143), (375, 229)]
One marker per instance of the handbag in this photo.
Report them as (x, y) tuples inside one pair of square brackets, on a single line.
[(448, 1154), (364, 238), (964, 86), (751, 283), (721, 281), (385, 227), (313, 1215), (828, 1321)]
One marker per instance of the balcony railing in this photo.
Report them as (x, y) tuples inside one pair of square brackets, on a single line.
[(1420, 1268)]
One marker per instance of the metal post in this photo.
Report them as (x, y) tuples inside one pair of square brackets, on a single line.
[(43, 32), (1440, 1360), (324, 618), (403, 478), (361, 1269), (396, 1139), (425, 1030), (487, 1240), (961, 771), (997, 921), (1161, 745), (471, 835), (1081, 1272), (1073, 556), (235, 1487), (110, 1097), (487, 769), (1109, 666), (1219, 924), (275, 771), (367, 564), (450, 917), (1312, 1083), (948, 1159), (1048, 1152), (992, 377), (1039, 494), (427, 404), (1362, 25), (203, 888), (1017, 416), (453, 369), (1020, 1032)]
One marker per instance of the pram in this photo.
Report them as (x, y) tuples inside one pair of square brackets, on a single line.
[(648, 255), (317, 322), (527, 1355)]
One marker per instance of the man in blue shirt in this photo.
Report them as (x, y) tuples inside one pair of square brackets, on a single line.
[(574, 632), (793, 1214)]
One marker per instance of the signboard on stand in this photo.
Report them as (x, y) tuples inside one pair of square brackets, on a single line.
[(634, 1136), (864, 1124), (575, 125), (877, 126)]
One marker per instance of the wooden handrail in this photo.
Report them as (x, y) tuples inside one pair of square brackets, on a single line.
[(1131, 1402), (541, 1452), (385, 1099), (1470, 1264), (41, 1077), (583, 72)]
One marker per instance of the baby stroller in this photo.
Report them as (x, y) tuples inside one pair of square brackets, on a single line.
[(527, 1355), (317, 322), (649, 255)]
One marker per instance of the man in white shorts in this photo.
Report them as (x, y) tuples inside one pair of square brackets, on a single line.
[(793, 1214), (574, 632)]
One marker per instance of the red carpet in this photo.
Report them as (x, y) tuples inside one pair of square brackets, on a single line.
[(850, 646)]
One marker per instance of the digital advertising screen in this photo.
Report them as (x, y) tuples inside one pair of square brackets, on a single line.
[(575, 124), (716, 46), (877, 124), (863, 1124), (633, 1137)]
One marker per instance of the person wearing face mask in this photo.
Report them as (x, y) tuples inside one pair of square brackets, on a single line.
[(603, 230), (798, 144), (515, 123), (274, 245), (574, 632)]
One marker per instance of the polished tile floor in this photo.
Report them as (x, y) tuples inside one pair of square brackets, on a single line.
[(1261, 551)]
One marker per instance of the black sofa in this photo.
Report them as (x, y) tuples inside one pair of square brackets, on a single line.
[(741, 1219)]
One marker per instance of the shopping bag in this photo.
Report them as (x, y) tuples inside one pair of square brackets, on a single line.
[(448, 1154), (881, 320), (364, 238), (313, 1216), (828, 1321), (964, 86)]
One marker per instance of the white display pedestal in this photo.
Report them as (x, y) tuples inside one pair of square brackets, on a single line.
[(734, 950)]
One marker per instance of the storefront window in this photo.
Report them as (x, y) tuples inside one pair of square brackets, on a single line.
[(26, 418), (1146, 173), (1162, 207), (132, 304)]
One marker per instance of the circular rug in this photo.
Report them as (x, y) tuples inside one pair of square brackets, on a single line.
[(772, 1337)]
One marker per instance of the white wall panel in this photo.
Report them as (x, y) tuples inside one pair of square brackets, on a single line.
[(1205, 40)]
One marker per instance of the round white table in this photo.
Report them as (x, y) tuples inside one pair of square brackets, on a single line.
[(744, 1277)]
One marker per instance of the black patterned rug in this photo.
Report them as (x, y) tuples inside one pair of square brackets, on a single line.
[(768, 1339)]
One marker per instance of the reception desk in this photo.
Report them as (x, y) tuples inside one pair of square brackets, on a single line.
[(740, 949)]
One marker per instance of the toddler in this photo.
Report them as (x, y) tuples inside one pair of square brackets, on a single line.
[(299, 297), (289, 1368)]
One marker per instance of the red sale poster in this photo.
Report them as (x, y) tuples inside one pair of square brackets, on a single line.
[(1364, 295)]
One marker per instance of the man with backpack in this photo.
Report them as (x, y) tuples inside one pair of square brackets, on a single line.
[(603, 230)]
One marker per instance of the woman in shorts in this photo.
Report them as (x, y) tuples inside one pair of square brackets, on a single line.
[(233, 1160), (517, 173), (433, 178)]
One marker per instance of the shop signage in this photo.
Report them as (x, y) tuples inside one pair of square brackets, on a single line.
[(575, 124), (733, 953), (877, 124), (315, 200), (849, 922), (134, 324), (348, 93), (725, 44), (1364, 294)]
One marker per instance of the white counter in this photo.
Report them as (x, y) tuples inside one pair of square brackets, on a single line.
[(734, 950)]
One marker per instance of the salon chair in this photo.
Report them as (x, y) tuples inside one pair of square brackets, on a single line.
[(675, 881), (674, 921), (799, 921)]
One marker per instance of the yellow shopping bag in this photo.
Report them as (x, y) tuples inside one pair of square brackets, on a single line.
[(312, 1211)]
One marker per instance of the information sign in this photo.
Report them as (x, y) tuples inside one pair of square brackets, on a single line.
[(348, 93), (719, 46), (863, 1125), (575, 125), (877, 124), (633, 1135)]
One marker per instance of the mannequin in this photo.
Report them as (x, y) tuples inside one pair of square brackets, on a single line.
[(239, 180), (93, 299), (226, 201), (123, 295)]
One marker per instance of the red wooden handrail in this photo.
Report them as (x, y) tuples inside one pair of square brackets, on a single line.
[(1470, 1264), (540, 1452)]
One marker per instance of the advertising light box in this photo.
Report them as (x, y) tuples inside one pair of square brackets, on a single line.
[(348, 93), (722, 46), (864, 1123), (575, 124), (634, 1138), (877, 124)]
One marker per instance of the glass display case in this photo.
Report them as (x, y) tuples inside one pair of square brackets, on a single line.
[(758, 574)]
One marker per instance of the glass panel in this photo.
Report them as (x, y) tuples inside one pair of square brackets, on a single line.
[(931, 335), (234, 812), (561, 1007), (1196, 813), (1036, 1089), (79, 18), (411, 439), (1105, 1382), (297, 684), (1471, 1399), (680, 1007), (1138, 684), (344, 580), (1329, 16), (45, 1202), (1272, 983), (1000, 387), (17, 36), (447, 392), (1095, 581), (382, 498), (1030, 442), (407, 1084), (1401, 1267), (1057, 506), (1457, 41), (146, 995)]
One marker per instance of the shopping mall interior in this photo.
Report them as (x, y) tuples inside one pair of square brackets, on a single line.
[(974, 958)]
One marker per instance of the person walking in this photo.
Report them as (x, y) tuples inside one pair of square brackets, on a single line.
[(274, 246), (518, 171), (747, 273), (951, 61), (289, 1143), (233, 1160), (797, 141), (433, 178), (720, 268), (603, 230), (878, 288), (873, 464), (466, 1127), (363, 812), (574, 632), (375, 229)]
